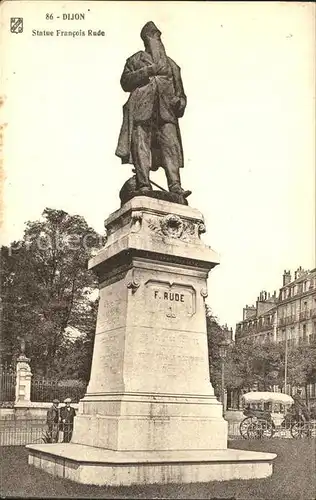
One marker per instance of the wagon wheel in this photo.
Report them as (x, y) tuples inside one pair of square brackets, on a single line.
[(299, 429), (304, 429), (260, 429), (243, 427)]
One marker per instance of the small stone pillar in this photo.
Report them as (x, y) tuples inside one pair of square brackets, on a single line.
[(23, 380)]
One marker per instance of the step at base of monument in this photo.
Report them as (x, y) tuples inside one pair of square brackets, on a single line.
[(98, 466)]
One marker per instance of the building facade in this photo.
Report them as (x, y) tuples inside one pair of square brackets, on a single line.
[(290, 316)]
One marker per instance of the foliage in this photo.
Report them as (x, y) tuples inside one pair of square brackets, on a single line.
[(216, 334), (302, 364), (74, 356), (46, 292), (46, 437), (246, 364), (264, 362), (6, 404)]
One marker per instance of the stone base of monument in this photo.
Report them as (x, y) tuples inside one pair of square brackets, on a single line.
[(150, 414), (91, 465)]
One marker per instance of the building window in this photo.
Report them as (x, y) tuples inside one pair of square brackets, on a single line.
[(304, 333)]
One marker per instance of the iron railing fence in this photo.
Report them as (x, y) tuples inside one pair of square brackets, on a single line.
[(19, 432), (22, 432), (253, 430), (46, 389), (7, 383)]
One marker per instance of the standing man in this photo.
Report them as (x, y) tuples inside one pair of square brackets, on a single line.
[(300, 408), (67, 415), (150, 135), (53, 421)]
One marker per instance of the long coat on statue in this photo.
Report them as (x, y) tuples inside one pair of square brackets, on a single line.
[(144, 91)]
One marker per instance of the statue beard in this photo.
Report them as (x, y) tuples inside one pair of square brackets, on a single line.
[(157, 51)]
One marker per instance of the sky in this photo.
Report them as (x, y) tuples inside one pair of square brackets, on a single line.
[(248, 132)]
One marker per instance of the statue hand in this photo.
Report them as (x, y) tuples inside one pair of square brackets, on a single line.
[(159, 69), (152, 69), (175, 101), (164, 70), (178, 105)]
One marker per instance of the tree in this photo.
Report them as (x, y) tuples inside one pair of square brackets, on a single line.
[(257, 365), (74, 356), (247, 364), (215, 335), (241, 375), (46, 288), (302, 365)]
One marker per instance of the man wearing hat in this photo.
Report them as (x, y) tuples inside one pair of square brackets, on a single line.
[(300, 407), (150, 135), (67, 415), (53, 421)]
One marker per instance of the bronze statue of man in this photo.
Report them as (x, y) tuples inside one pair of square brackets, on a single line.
[(150, 135)]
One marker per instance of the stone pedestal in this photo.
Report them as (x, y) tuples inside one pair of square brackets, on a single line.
[(23, 382), (149, 402), (149, 387)]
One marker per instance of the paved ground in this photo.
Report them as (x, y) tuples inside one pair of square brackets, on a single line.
[(294, 478)]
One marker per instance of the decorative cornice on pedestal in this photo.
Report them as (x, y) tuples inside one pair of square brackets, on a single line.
[(133, 282), (157, 229), (201, 228), (23, 358), (136, 221), (204, 293), (23, 363), (141, 203), (172, 226)]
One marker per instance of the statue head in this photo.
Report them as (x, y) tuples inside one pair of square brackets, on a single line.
[(150, 30)]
